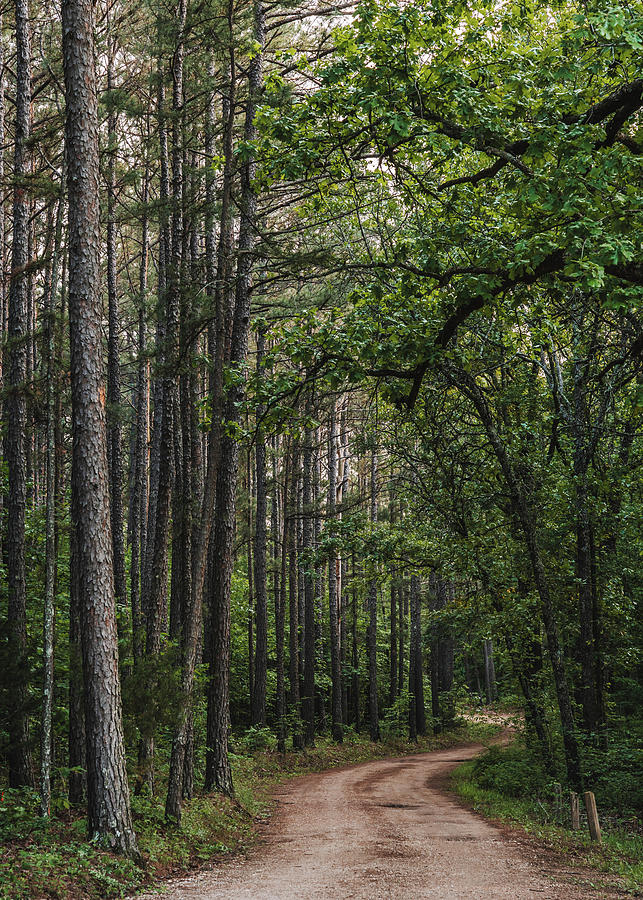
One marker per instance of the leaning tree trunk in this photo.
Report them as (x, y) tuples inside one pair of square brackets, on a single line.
[(527, 523), (108, 809), (526, 665), (320, 705), (20, 765), (590, 682)]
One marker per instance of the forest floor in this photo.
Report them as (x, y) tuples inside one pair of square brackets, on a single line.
[(389, 829)]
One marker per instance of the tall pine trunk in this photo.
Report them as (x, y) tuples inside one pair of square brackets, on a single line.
[(416, 681), (140, 484), (218, 772), (293, 605), (281, 547), (51, 291), (258, 699), (108, 810), (114, 452), (20, 764), (373, 712), (333, 586), (308, 697), (77, 745)]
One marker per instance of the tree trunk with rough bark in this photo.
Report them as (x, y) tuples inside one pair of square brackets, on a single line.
[(258, 699), (281, 548), (51, 291), (140, 479), (114, 450), (77, 791), (355, 685), (4, 306), (293, 607), (373, 711), (333, 587), (108, 810), (218, 772), (308, 698), (416, 680), (20, 763)]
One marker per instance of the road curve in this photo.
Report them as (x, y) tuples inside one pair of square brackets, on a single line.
[(383, 829)]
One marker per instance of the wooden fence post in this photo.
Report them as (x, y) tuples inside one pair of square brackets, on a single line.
[(592, 817), (575, 806)]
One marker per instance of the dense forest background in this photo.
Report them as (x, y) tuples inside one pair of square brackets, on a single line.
[(321, 386)]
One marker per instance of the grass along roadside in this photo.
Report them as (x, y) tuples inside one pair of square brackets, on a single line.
[(618, 862), (51, 859)]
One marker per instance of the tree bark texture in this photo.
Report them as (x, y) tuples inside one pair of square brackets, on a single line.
[(333, 587), (293, 608), (108, 810), (51, 291), (258, 708), (308, 698), (114, 453), (20, 764), (218, 772), (416, 679), (77, 744), (373, 712)]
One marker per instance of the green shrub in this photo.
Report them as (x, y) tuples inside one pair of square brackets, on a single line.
[(615, 774), (396, 718), (255, 738), (511, 771)]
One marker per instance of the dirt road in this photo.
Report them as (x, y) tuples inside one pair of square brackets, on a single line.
[(384, 829)]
